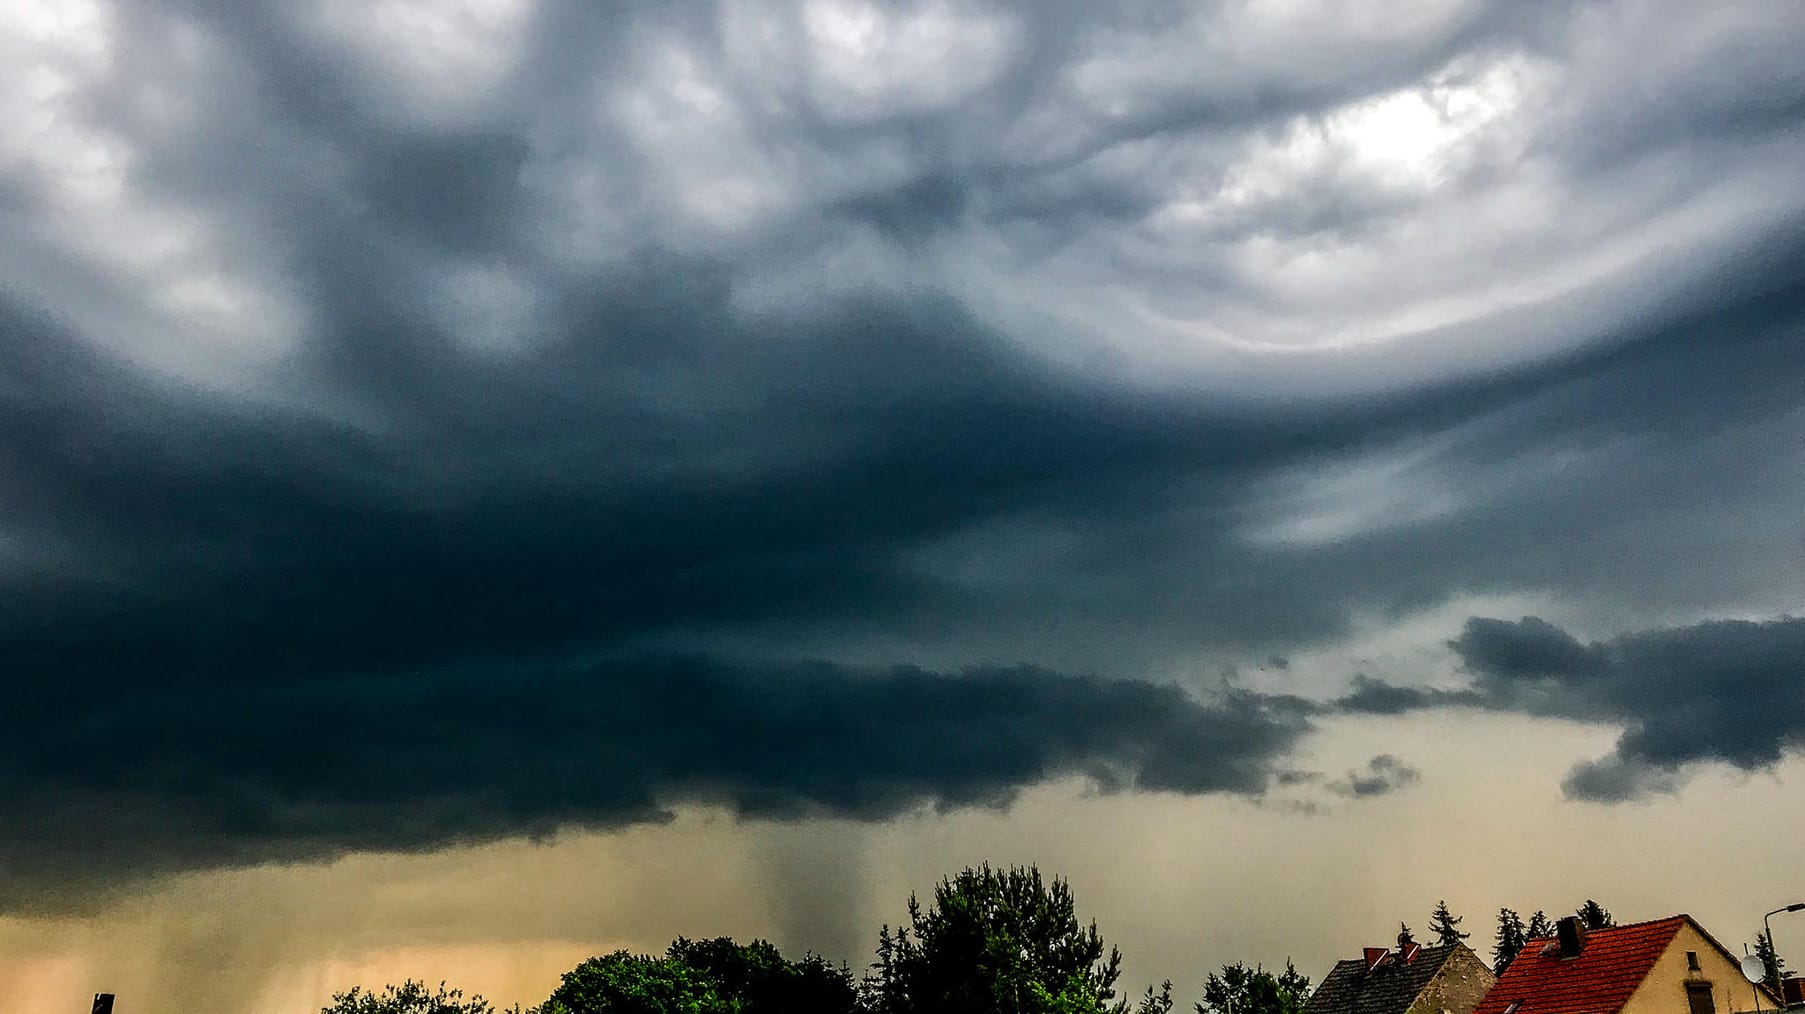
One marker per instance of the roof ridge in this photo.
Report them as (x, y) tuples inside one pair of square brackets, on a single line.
[(1681, 917)]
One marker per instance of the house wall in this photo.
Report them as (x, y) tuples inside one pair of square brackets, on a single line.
[(1664, 990), (1462, 982)]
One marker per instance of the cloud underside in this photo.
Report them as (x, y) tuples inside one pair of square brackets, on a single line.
[(432, 422), (1729, 692), (181, 777)]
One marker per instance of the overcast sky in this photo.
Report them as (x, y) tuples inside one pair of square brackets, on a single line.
[(1276, 463)]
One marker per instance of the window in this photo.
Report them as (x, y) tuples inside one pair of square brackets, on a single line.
[(1692, 961), (1698, 997)]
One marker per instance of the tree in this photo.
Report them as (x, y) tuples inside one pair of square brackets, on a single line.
[(714, 976), (411, 997), (1446, 925), (1538, 928), (623, 983), (994, 942), (756, 979), (1509, 941), (1770, 960), (1242, 990), (1594, 915), (1152, 1003)]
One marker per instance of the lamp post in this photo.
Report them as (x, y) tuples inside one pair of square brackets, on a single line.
[(1797, 906)]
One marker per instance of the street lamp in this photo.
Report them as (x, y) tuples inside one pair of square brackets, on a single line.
[(1797, 906)]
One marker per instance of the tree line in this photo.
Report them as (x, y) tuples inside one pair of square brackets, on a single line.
[(1514, 933), (991, 941)]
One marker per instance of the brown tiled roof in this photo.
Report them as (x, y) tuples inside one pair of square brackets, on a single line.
[(1599, 980), (1389, 989)]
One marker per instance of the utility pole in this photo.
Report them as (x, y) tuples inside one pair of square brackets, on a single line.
[(1797, 906)]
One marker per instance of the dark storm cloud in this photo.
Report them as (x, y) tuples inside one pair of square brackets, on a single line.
[(1384, 775), (1726, 691), (181, 776), (627, 335), (1376, 697)]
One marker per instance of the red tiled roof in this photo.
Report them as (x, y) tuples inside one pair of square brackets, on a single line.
[(1600, 980)]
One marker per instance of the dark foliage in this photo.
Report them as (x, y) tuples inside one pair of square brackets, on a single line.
[(624, 983), (1242, 990), (714, 976), (1156, 1003), (1594, 915), (756, 979), (1512, 935), (1770, 960), (1446, 925), (411, 997), (994, 942)]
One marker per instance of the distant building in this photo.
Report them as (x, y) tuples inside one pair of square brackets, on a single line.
[(1668, 966), (1412, 979)]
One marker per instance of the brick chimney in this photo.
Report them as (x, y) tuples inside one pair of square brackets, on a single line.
[(1571, 932), (1793, 989), (1407, 947), (1375, 956)]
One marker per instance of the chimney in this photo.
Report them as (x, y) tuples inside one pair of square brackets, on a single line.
[(1572, 934), (1407, 947), (1375, 956), (1793, 989)]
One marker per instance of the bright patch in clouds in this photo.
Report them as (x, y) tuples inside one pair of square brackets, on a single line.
[(443, 56), (875, 58), (155, 278)]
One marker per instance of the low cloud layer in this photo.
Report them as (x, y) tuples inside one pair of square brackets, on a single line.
[(1384, 775), (1726, 692), (179, 777), (367, 364)]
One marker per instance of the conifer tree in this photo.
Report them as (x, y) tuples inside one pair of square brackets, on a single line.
[(1156, 1003), (1446, 925), (1595, 916), (1538, 927), (1770, 960), (1510, 940)]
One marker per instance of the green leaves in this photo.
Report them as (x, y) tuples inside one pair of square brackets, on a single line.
[(994, 942), (623, 983), (1243, 990), (714, 976)]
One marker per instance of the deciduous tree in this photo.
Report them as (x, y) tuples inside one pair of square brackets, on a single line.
[(1239, 989), (994, 942)]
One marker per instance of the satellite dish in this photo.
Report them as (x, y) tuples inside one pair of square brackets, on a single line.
[(1752, 968)]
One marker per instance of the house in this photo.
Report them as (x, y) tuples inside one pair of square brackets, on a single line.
[(1668, 966), (1413, 979)]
